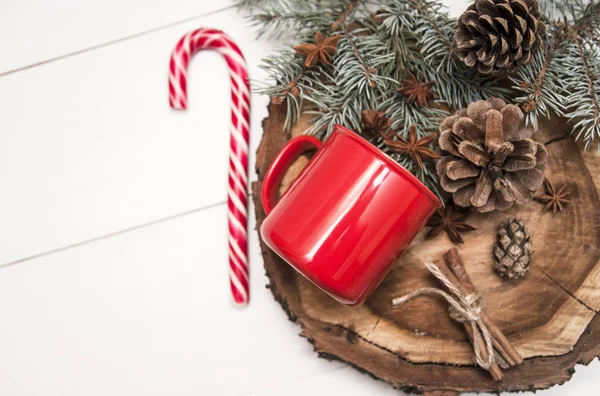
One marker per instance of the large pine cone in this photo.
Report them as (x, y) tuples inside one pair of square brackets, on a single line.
[(512, 250), (497, 35), (490, 160)]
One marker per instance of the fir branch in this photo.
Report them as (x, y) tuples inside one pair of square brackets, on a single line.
[(395, 28), (436, 32), (356, 85), (584, 107), (366, 71), (341, 20), (589, 77), (541, 75), (541, 83), (248, 4), (461, 86), (423, 9), (403, 115), (376, 50), (579, 66), (297, 20)]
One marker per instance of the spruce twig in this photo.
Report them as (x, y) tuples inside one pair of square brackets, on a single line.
[(588, 76), (382, 39), (359, 56)]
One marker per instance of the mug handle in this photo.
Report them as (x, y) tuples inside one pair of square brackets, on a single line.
[(288, 154)]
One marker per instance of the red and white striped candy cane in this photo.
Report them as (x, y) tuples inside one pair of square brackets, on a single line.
[(238, 159)]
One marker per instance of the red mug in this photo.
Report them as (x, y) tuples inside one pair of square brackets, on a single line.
[(347, 217)]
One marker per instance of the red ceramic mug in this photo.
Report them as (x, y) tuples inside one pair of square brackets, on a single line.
[(348, 215)]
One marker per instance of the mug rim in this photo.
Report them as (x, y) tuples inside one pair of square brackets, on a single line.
[(390, 162)]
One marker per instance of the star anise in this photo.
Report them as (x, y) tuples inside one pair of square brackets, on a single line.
[(417, 91), (555, 198), (450, 219), (322, 51), (417, 149), (375, 123)]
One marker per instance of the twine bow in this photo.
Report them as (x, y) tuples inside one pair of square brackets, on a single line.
[(466, 309)]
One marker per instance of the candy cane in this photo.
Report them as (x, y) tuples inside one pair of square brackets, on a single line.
[(238, 159)]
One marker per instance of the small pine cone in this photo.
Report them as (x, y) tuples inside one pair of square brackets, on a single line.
[(495, 36), (512, 250), (489, 160)]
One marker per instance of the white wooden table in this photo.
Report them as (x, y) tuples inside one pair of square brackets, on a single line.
[(113, 254)]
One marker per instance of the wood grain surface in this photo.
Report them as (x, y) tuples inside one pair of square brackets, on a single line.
[(550, 316)]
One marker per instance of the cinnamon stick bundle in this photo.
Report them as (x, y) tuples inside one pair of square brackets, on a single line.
[(501, 343), (467, 307), (494, 369)]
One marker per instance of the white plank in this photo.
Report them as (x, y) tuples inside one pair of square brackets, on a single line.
[(148, 313), (349, 382), (37, 30), (145, 313), (344, 380), (90, 146)]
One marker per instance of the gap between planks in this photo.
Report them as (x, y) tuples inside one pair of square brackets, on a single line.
[(114, 234), (115, 41)]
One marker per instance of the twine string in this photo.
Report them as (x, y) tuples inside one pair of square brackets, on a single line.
[(465, 309)]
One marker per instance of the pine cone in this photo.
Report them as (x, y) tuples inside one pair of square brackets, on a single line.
[(497, 35), (490, 161), (512, 250)]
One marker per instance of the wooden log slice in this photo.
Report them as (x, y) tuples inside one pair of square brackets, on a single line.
[(550, 316)]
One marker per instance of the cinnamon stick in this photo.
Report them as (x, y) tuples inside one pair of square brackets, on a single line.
[(494, 369), (501, 343), (505, 355)]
